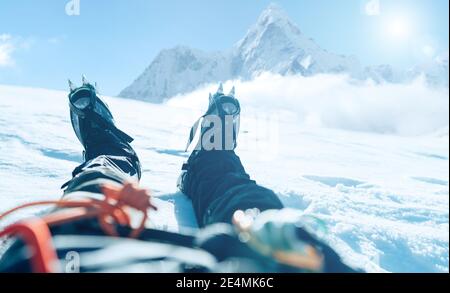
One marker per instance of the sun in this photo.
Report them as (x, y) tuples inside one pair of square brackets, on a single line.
[(399, 28)]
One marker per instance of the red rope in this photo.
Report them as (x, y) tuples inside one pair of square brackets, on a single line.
[(109, 211)]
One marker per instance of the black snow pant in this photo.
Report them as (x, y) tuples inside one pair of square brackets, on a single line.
[(216, 181), (112, 162), (218, 186)]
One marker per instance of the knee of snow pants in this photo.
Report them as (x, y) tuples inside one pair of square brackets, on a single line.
[(218, 185), (116, 163)]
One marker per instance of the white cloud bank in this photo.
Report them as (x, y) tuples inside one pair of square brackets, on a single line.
[(336, 101), (10, 45), (6, 50)]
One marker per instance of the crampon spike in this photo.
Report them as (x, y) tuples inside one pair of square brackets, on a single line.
[(84, 80), (71, 85), (232, 92), (220, 89)]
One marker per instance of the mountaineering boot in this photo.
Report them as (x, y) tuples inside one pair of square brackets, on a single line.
[(91, 119), (219, 127)]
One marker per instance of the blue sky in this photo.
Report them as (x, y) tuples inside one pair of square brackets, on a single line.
[(113, 41)]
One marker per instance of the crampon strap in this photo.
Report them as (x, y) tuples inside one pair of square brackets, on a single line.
[(109, 211)]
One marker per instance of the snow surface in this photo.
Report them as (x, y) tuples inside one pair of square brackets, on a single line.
[(384, 197)]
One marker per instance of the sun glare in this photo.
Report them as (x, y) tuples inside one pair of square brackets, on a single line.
[(399, 28)]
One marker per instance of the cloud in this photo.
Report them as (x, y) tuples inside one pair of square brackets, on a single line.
[(6, 50), (443, 57), (56, 40), (372, 7), (5, 37), (428, 51), (9, 45), (336, 101)]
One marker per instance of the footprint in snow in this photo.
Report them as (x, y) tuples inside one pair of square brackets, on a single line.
[(334, 181)]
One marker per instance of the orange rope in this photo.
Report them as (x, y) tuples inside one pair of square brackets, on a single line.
[(108, 211), (36, 234)]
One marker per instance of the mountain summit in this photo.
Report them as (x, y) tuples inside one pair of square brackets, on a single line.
[(274, 44)]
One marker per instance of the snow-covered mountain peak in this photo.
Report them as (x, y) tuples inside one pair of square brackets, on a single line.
[(276, 44), (273, 44), (273, 21), (273, 14), (177, 70)]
